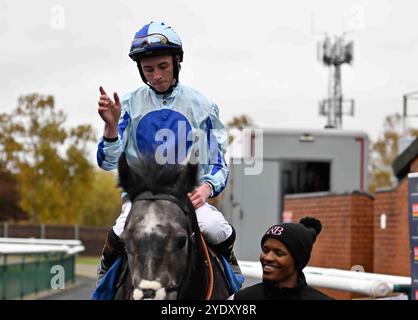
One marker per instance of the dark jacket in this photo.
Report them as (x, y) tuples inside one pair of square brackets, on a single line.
[(265, 291)]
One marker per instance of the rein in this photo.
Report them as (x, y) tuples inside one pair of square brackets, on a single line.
[(183, 284), (210, 287)]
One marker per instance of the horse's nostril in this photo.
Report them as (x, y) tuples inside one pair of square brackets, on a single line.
[(148, 293)]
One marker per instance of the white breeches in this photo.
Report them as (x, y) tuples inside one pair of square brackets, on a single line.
[(211, 221)]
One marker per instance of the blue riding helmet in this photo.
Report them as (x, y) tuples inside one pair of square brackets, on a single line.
[(153, 39)]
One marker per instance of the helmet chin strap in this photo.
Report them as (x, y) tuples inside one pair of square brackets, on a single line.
[(176, 69)]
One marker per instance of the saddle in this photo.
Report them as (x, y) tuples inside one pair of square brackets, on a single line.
[(110, 285), (233, 278), (120, 272)]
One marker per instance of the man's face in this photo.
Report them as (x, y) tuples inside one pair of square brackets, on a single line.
[(277, 262), (159, 71)]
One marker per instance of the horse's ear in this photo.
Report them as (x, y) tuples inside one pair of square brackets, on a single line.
[(128, 180), (187, 179)]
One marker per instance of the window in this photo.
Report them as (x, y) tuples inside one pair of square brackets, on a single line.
[(304, 177)]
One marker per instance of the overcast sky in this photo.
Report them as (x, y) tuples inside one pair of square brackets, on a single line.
[(250, 57)]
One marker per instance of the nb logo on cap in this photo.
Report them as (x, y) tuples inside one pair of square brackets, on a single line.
[(276, 230)]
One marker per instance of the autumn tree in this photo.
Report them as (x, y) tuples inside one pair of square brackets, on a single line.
[(104, 204), (9, 197), (239, 123), (50, 161), (384, 151)]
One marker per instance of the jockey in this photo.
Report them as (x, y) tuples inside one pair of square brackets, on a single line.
[(162, 119)]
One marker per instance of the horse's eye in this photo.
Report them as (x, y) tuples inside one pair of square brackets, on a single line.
[(181, 241)]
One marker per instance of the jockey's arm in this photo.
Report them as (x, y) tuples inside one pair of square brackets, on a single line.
[(216, 171)]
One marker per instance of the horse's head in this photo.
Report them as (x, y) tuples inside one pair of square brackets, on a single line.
[(157, 233)]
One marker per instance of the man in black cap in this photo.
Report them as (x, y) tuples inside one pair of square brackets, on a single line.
[(286, 250)]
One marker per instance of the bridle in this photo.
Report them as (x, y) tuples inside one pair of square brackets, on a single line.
[(184, 283)]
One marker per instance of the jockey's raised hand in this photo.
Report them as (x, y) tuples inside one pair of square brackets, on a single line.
[(109, 111)]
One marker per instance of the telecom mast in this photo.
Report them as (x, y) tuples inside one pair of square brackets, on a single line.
[(333, 54)]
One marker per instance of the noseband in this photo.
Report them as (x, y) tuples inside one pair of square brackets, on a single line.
[(180, 288)]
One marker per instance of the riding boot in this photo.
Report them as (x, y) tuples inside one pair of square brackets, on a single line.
[(234, 263), (112, 249), (225, 248)]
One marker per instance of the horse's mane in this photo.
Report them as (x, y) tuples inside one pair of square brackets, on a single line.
[(176, 180), (173, 179)]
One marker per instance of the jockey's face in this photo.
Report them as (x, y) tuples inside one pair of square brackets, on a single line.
[(278, 264), (159, 71)]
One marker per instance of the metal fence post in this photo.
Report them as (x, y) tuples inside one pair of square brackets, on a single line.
[(42, 231), (47, 272), (37, 273), (76, 232), (5, 230), (4, 293), (73, 266), (22, 276)]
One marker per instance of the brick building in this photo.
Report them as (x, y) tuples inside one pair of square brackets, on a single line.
[(353, 232)]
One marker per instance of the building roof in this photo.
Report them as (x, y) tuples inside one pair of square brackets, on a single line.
[(317, 132), (401, 165)]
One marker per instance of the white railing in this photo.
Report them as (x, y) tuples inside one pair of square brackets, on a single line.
[(33, 246), (26, 264), (370, 284)]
